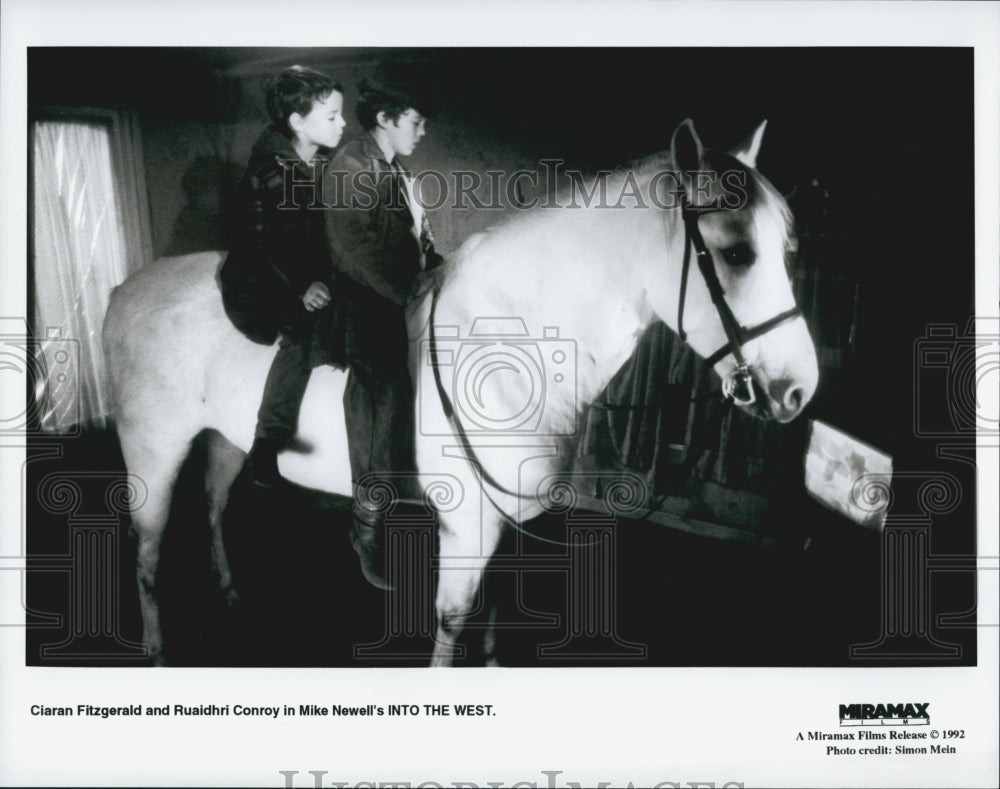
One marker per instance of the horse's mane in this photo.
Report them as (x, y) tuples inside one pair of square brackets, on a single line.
[(761, 196)]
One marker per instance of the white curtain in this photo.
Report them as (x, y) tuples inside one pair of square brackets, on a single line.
[(91, 230)]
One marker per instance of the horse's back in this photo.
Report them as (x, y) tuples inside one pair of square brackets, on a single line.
[(169, 344), (170, 296), (177, 365)]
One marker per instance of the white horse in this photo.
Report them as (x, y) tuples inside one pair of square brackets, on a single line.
[(526, 325)]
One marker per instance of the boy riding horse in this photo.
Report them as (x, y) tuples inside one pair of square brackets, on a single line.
[(379, 241), (278, 279)]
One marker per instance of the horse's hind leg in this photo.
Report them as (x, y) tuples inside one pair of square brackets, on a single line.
[(156, 463), (224, 461)]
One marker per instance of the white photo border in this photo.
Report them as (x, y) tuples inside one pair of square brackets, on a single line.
[(650, 726)]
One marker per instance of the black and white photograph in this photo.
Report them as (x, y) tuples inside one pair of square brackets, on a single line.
[(370, 384)]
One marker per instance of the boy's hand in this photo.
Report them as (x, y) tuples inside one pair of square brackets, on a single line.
[(316, 297)]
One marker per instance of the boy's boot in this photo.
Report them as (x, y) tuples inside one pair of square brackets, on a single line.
[(369, 541), (263, 461)]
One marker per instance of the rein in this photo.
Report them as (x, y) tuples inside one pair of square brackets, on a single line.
[(449, 408), (478, 468)]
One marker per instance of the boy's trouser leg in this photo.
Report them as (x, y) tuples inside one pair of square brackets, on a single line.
[(278, 417), (379, 411)]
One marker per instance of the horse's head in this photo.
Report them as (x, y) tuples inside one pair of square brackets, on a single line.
[(733, 303)]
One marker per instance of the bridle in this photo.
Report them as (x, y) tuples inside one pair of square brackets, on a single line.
[(738, 386)]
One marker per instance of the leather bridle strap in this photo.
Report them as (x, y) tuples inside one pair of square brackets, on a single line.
[(736, 334)]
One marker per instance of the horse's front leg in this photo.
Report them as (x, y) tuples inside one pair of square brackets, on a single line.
[(466, 546)]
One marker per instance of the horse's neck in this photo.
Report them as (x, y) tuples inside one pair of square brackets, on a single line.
[(580, 271)]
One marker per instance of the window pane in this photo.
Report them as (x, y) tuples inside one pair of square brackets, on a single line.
[(79, 257)]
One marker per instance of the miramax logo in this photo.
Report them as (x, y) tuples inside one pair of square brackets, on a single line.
[(913, 714)]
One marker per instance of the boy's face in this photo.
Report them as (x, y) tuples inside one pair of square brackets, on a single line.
[(324, 124), (405, 132)]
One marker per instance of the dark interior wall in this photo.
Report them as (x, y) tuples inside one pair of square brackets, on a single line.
[(862, 123), (194, 163), (189, 180)]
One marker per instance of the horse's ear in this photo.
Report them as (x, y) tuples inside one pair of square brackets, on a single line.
[(686, 148), (748, 150)]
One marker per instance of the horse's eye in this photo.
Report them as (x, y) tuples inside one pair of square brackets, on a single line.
[(741, 254)]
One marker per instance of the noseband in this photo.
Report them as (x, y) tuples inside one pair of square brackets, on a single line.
[(738, 385)]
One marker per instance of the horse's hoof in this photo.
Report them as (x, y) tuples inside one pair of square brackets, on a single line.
[(442, 660), (232, 596)]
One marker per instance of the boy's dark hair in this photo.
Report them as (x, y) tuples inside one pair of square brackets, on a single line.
[(395, 88), (295, 90)]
